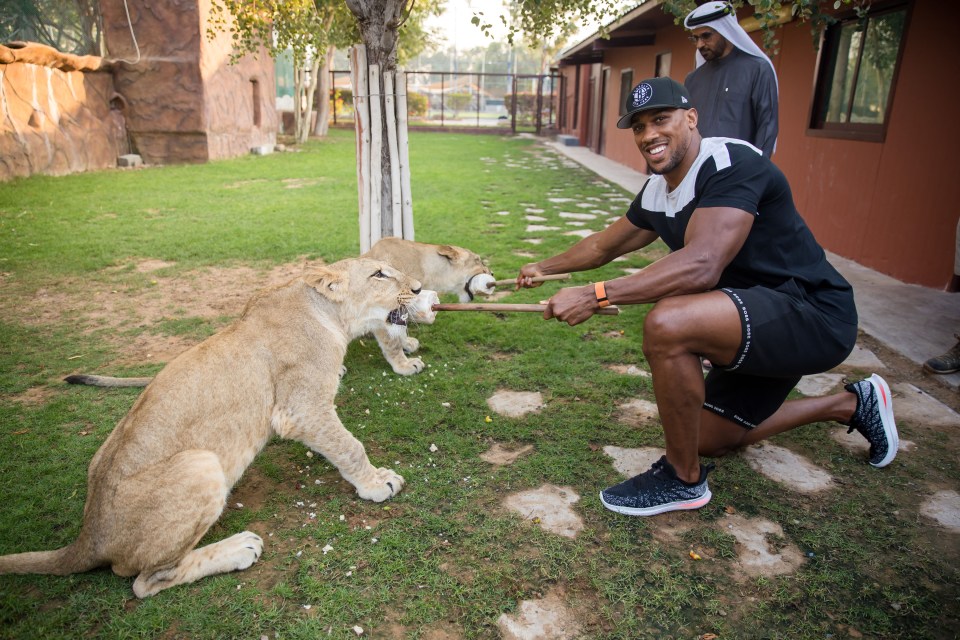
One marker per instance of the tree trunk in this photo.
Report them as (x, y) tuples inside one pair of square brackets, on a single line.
[(303, 131), (379, 21), (297, 101), (324, 87)]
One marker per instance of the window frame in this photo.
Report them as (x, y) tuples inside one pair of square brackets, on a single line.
[(625, 89), (827, 55)]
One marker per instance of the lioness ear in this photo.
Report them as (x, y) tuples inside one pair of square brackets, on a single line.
[(448, 252), (328, 283)]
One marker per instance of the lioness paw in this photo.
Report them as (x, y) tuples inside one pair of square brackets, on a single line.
[(410, 367), (243, 549), (410, 344), (385, 484)]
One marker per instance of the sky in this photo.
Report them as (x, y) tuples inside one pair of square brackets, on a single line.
[(455, 26)]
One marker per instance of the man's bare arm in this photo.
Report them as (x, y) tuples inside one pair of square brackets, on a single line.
[(714, 237), (593, 251)]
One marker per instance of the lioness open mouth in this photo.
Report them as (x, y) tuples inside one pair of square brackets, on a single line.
[(398, 317)]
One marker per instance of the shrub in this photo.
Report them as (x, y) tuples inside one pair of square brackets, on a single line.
[(417, 104)]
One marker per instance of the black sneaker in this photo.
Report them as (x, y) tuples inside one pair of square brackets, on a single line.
[(873, 418), (949, 362), (656, 491)]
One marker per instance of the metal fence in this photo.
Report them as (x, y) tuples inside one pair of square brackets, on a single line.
[(459, 101)]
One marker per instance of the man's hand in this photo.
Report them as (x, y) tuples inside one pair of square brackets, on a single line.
[(572, 305), (528, 271)]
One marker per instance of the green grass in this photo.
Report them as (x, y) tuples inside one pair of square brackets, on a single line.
[(448, 557)]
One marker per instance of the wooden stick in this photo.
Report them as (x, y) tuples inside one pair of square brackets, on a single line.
[(556, 276), (500, 306)]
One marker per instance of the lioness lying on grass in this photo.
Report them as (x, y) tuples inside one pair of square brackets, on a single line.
[(161, 479)]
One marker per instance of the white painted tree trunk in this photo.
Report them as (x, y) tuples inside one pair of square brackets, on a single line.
[(383, 166)]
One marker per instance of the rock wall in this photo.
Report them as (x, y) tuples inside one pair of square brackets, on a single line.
[(187, 102), (181, 100), (57, 122)]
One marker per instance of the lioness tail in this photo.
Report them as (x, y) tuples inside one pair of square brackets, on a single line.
[(72, 558), (106, 381)]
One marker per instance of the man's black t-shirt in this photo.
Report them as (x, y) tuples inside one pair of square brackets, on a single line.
[(779, 247)]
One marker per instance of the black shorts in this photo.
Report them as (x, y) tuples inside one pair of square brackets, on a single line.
[(785, 336)]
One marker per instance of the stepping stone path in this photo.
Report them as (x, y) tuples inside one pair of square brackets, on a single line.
[(762, 547), (856, 443), (819, 384), (550, 507), (532, 228), (944, 508), (515, 404), (546, 619), (913, 405), (862, 358), (756, 556), (632, 462), (786, 467)]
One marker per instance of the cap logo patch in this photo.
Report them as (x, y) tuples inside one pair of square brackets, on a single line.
[(642, 94)]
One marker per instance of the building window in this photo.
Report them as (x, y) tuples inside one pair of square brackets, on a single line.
[(857, 72), (626, 86), (257, 118), (663, 64)]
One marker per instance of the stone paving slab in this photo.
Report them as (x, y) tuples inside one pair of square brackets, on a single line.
[(550, 507), (944, 508), (515, 404), (788, 468), (545, 619)]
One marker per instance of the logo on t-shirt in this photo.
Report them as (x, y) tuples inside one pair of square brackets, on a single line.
[(642, 94)]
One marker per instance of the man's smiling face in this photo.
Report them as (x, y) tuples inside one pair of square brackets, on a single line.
[(663, 137)]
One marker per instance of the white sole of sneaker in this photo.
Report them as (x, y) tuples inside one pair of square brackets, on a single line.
[(696, 503), (882, 390)]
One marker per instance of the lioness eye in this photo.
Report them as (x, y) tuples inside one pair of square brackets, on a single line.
[(379, 274)]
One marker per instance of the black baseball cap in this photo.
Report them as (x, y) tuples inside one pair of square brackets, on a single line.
[(655, 93)]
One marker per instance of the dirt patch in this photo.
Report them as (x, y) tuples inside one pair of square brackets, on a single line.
[(629, 370), (499, 455), (34, 396), (150, 265), (638, 412), (117, 300)]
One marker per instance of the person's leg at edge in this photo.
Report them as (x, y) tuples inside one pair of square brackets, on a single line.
[(677, 331), (719, 436)]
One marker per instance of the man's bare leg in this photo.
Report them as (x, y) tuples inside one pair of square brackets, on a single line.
[(677, 332), (719, 436)]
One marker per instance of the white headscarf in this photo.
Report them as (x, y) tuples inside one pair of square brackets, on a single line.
[(727, 26)]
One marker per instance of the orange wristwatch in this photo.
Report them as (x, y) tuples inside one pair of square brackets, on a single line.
[(601, 292)]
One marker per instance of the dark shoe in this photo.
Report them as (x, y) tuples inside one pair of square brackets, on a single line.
[(873, 418), (946, 363), (656, 491)]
